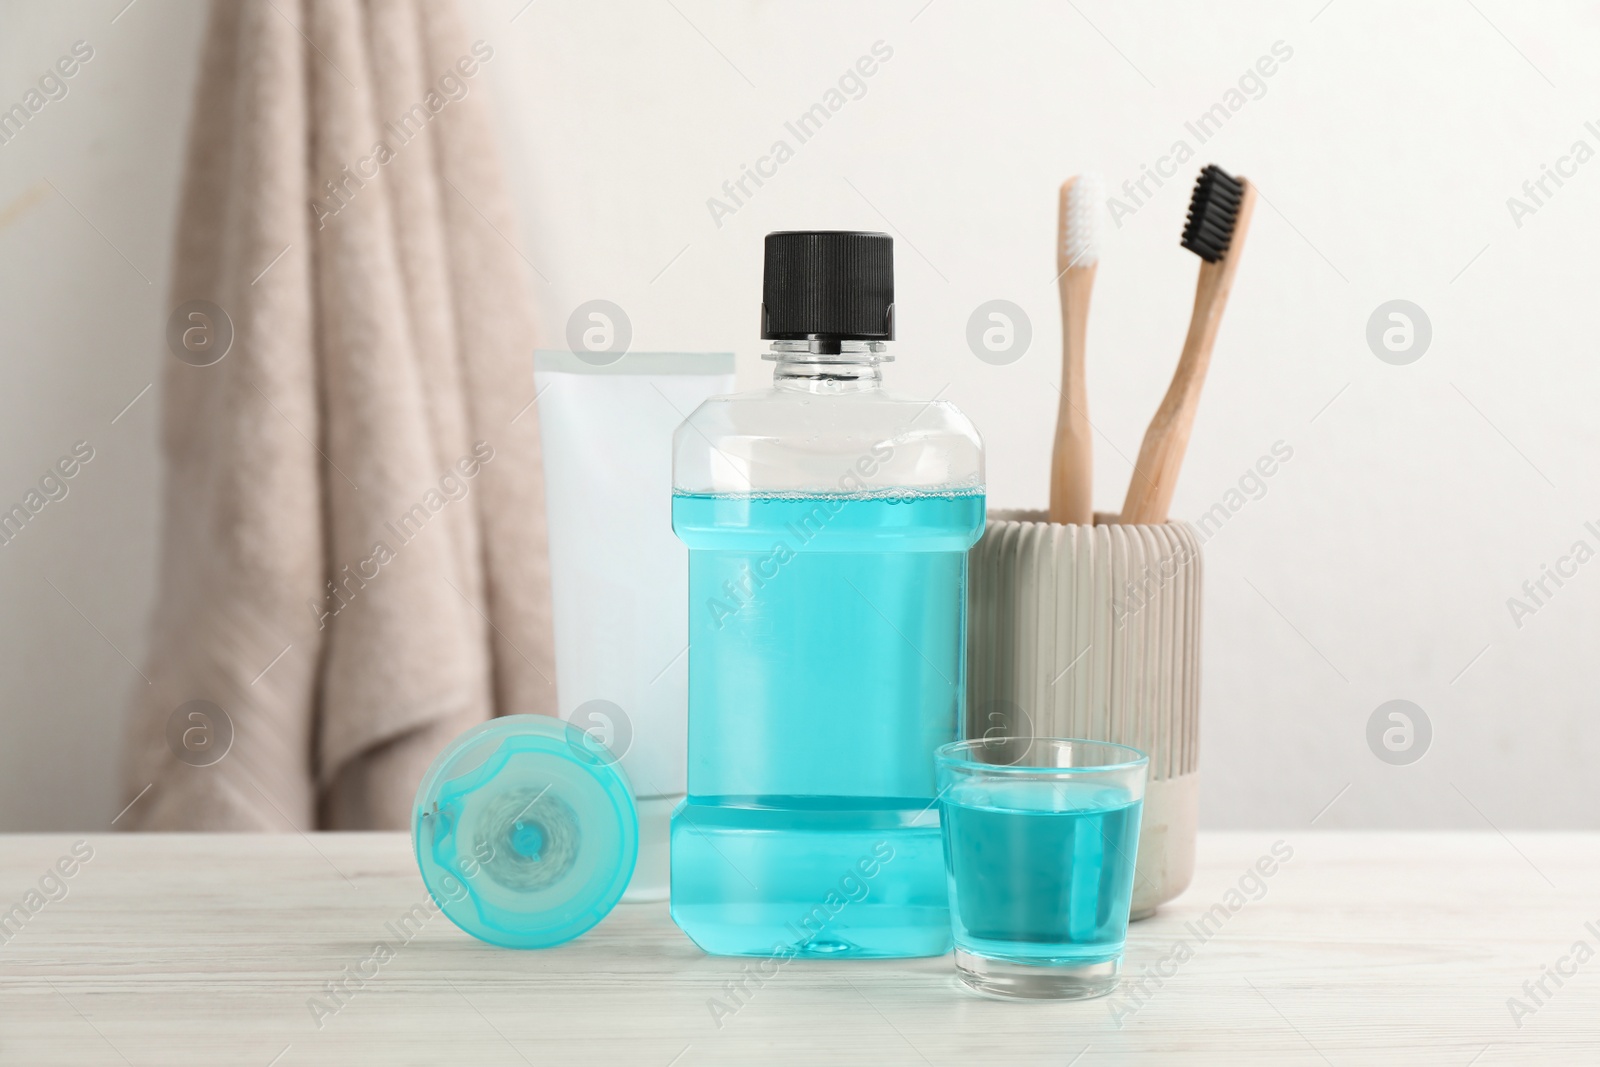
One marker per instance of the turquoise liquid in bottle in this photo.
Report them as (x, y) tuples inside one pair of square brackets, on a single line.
[(828, 522), (827, 638)]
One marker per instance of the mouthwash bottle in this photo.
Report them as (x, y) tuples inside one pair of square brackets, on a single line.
[(828, 522)]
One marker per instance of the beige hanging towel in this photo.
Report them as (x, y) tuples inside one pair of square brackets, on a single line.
[(354, 565)]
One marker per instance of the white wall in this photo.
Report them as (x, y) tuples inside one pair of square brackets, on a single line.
[(1376, 566), (82, 300)]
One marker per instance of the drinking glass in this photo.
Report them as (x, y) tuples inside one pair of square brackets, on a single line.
[(1040, 836)]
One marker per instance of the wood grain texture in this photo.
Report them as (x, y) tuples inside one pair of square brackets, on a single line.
[(1072, 454), (1155, 473), (1363, 948)]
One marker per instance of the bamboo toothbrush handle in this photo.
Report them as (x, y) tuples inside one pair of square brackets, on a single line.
[(1155, 475), (1072, 459)]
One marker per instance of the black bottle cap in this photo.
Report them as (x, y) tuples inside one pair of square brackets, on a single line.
[(828, 286)]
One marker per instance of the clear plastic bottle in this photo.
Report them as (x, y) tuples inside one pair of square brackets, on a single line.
[(828, 523)]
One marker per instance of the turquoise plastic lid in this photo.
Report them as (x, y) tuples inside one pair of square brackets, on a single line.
[(525, 831)]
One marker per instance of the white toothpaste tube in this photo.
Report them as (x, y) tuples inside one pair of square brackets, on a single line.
[(619, 578)]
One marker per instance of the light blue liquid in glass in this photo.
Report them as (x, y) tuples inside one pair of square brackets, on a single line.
[(1040, 871), (827, 641)]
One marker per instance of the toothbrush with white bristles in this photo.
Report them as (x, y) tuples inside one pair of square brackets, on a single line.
[(1077, 253)]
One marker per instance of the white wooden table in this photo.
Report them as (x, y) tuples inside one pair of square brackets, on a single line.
[(1362, 949)]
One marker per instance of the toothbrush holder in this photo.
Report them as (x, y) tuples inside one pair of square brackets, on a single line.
[(1094, 632)]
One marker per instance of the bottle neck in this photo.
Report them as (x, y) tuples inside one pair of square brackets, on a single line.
[(801, 366)]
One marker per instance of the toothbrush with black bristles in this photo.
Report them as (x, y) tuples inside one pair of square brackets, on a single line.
[(1219, 217)]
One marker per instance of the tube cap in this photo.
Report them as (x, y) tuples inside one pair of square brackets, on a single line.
[(525, 831), (828, 285)]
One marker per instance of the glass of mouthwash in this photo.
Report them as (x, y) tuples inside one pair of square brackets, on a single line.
[(828, 521), (1040, 837)]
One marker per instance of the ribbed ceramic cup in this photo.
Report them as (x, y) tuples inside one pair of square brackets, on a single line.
[(1094, 632)]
